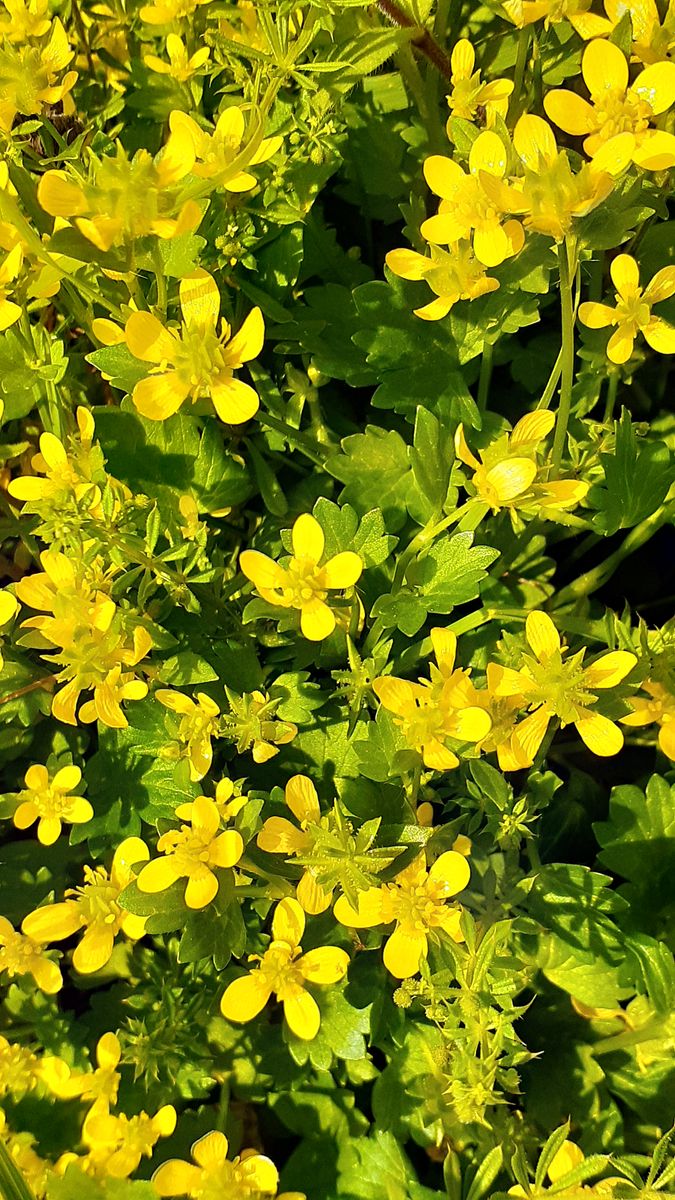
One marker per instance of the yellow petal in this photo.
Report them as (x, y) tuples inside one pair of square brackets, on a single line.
[(303, 1016), (367, 914), (279, 836), (326, 964), (601, 735), (534, 142), (655, 151), (199, 299), (609, 670), (446, 228), (288, 922), (625, 273), (317, 620), (245, 997), (570, 112), (260, 1176), (542, 635), (596, 316), (262, 571), (564, 1160), (533, 427), (53, 922), (311, 896), (604, 68), (47, 975), (108, 1051), (488, 153), (211, 1150), (397, 695), (470, 724), (453, 870), (438, 757), (407, 264), (444, 642), (462, 60), (128, 854), (529, 735), (661, 286), (491, 244), (60, 196), (48, 831), (403, 952), (37, 778), (308, 538), (436, 309), (667, 740), (248, 342), (234, 401), (67, 779), (343, 570), (620, 345), (227, 849), (302, 799), (462, 449), (656, 85), (94, 951), (660, 335), (201, 889), (176, 1178), (148, 340), (159, 396), (158, 875), (443, 176), (508, 479), (562, 493)]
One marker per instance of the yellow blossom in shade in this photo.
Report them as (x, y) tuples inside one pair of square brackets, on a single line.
[(552, 12), (564, 1160), (558, 685), (656, 708), (618, 108), (47, 801), (653, 39), (125, 199), (508, 473), (9, 269), (94, 907), (252, 723), (280, 836), (26, 21), (193, 852), (223, 157), (165, 12), (9, 607), (249, 1176), (199, 362), (454, 274), (31, 75), (73, 473), (21, 955), (417, 900), (469, 95), (284, 971), (633, 311), (466, 206), (199, 723), (19, 1068), (99, 1087), (181, 65), (432, 710), (304, 583), (117, 1143), (550, 196)]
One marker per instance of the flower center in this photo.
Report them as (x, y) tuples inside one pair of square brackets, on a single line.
[(417, 907), (279, 971), (306, 582), (97, 899), (620, 112)]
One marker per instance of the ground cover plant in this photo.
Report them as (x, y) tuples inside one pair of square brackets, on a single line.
[(337, 710)]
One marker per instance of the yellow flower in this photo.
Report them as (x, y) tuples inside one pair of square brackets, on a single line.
[(165, 12), (470, 97), (19, 1069), (117, 1143), (633, 311), (72, 477), (21, 955), (280, 836), (180, 66), (199, 723), (559, 686), (95, 908), (198, 362), (252, 724), (454, 274), (617, 107), (9, 607), (192, 852), (509, 475), (229, 801), (653, 39), (565, 1160), (98, 1087), (552, 12), (27, 21), (47, 801), (36, 1171), (503, 712), (222, 156), (303, 584), (9, 269), (30, 75), (249, 1176), (659, 709), (433, 710), (126, 198), (466, 206), (417, 900), (284, 971)]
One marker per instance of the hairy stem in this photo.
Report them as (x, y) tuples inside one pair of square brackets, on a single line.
[(422, 41)]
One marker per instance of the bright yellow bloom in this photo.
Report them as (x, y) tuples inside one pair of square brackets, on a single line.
[(95, 908), (503, 712), (19, 1069), (199, 723), (199, 362), (73, 475), (98, 1087), (31, 75), (653, 39), (9, 607), (9, 269), (510, 476), (564, 1160), (550, 196), (47, 801), (454, 274), (223, 156), (469, 95), (252, 723), (181, 65), (304, 584), (229, 801), (284, 972), (117, 1143), (26, 21), (417, 900), (165, 12), (633, 311), (432, 710), (559, 686), (659, 709), (125, 199), (249, 1176), (21, 955), (193, 852), (552, 12), (280, 836), (466, 206), (617, 107)]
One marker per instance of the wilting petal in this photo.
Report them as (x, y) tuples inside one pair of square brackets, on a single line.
[(453, 870), (542, 635), (302, 799), (610, 669), (245, 997), (343, 570), (326, 964), (303, 1016), (403, 952), (288, 922), (366, 915), (601, 735)]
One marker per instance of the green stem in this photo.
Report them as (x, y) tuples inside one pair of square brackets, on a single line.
[(516, 104), (485, 375), (13, 1186), (586, 584), (549, 390), (160, 279), (295, 439), (567, 350), (421, 539), (612, 385)]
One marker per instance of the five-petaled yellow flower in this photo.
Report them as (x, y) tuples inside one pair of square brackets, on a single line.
[(22, 955), (556, 685), (552, 12), (280, 836), (199, 723), (305, 582), (617, 107), (248, 1176), (222, 156), (285, 972), (95, 908), (417, 900), (656, 708), (199, 362), (181, 65), (466, 206), (633, 311), (48, 801), (454, 274), (117, 1143), (193, 852), (469, 95)]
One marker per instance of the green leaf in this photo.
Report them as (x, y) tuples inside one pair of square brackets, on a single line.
[(637, 477), (638, 843), (431, 459), (374, 464), (376, 1167), (452, 572)]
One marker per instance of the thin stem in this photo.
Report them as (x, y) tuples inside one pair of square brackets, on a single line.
[(612, 385), (13, 1186), (485, 375), (588, 583), (422, 40), (567, 350), (295, 439), (549, 390)]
